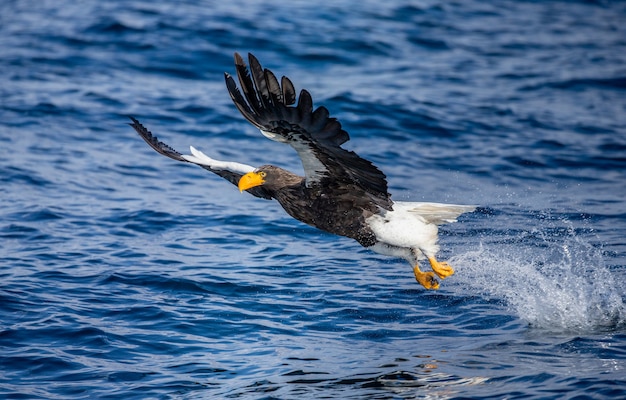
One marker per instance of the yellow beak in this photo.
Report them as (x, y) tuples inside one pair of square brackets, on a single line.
[(250, 180)]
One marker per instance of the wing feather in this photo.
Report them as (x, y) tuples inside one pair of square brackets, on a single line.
[(219, 168), (247, 85), (274, 89), (319, 120), (258, 77), (289, 92), (154, 142), (305, 108), (315, 135)]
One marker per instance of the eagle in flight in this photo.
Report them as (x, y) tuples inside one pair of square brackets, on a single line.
[(340, 192)]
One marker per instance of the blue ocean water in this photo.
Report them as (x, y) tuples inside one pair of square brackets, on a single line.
[(128, 275)]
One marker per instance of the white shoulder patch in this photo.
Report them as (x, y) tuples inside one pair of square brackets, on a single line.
[(314, 169), (200, 158)]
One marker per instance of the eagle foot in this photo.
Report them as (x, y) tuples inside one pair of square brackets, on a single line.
[(426, 279), (441, 268)]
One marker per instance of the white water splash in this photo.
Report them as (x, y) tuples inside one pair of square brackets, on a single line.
[(555, 281)]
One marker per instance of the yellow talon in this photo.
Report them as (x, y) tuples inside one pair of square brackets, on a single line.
[(426, 279), (442, 269)]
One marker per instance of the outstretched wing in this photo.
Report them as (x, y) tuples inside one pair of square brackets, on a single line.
[(231, 171), (317, 137)]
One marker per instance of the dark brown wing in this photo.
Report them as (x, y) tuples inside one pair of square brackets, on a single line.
[(317, 137), (167, 151)]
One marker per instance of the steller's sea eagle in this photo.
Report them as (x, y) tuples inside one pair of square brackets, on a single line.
[(340, 192)]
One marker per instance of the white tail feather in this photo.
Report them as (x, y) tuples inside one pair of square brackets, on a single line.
[(435, 213)]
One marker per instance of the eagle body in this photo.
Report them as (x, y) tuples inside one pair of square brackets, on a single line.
[(340, 192), (330, 208)]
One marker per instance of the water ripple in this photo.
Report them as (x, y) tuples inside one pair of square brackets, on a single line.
[(127, 276)]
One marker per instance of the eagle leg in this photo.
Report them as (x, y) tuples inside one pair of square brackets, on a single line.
[(441, 268), (426, 279)]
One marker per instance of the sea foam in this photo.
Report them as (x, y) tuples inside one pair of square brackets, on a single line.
[(554, 279)]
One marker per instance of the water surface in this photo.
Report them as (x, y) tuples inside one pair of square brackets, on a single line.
[(127, 275)]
